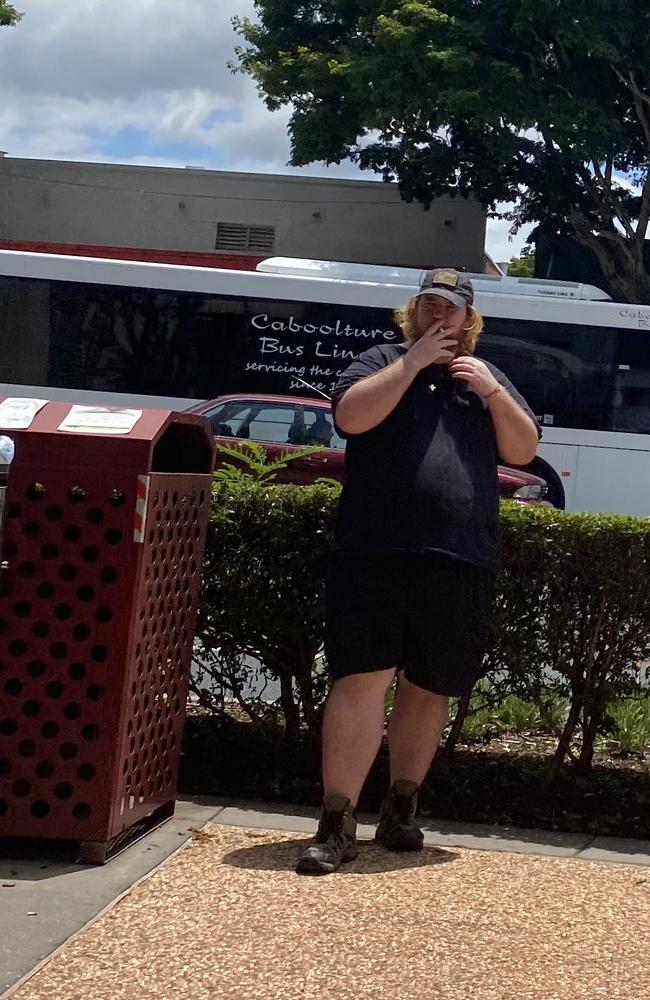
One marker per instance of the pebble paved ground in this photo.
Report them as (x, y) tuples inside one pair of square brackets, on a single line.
[(228, 918)]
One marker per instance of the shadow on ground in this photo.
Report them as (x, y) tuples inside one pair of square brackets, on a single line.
[(28, 860), (372, 860)]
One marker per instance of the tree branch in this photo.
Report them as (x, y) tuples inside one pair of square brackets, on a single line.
[(609, 199), (586, 236), (548, 141), (631, 84), (644, 213), (605, 204), (644, 118)]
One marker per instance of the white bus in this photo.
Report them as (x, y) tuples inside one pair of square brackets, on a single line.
[(125, 332)]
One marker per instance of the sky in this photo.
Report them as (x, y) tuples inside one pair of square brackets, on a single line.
[(147, 82)]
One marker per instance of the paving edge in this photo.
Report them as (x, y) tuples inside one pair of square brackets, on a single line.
[(13, 989), (540, 843)]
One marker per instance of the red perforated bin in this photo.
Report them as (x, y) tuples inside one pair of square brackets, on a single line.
[(103, 537)]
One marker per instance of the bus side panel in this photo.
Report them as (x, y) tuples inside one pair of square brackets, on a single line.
[(613, 480)]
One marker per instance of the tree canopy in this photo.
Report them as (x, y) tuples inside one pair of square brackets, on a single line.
[(8, 14), (524, 265), (534, 102)]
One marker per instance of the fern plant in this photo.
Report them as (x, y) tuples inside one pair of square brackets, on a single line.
[(516, 716), (628, 723), (257, 465)]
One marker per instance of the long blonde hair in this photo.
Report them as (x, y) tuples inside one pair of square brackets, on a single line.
[(405, 319)]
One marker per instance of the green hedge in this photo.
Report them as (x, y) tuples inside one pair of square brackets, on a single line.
[(572, 611), (263, 590)]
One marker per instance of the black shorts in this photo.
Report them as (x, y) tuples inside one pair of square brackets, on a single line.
[(424, 614)]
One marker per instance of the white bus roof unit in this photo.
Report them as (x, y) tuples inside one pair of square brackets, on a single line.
[(411, 276)]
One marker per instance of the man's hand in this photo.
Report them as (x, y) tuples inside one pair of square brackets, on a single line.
[(371, 399), (477, 375), (435, 347), (516, 432)]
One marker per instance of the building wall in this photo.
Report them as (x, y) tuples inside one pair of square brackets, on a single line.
[(175, 209)]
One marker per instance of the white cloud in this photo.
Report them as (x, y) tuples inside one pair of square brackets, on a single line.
[(96, 49), (144, 82), (500, 245), (74, 75)]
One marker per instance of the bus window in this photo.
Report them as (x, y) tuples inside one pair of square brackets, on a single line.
[(24, 330), (631, 401), (121, 339), (568, 373), (159, 342)]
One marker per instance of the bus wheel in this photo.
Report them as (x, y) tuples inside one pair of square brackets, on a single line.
[(538, 467)]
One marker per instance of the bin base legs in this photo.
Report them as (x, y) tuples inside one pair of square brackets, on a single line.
[(99, 852)]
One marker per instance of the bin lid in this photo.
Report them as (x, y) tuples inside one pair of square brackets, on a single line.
[(146, 440)]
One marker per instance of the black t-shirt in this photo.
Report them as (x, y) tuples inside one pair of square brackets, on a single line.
[(425, 479)]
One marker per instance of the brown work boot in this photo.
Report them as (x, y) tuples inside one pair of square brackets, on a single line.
[(397, 829), (335, 841)]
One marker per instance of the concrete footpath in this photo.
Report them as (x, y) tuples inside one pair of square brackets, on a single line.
[(46, 898)]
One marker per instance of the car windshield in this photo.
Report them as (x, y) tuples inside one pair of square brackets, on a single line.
[(276, 423)]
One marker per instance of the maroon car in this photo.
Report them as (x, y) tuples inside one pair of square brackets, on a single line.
[(286, 423)]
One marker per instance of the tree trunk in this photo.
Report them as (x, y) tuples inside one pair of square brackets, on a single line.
[(621, 260), (309, 710), (290, 710), (589, 732), (585, 760), (564, 743), (629, 286), (457, 727)]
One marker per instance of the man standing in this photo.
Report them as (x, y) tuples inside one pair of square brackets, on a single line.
[(410, 581)]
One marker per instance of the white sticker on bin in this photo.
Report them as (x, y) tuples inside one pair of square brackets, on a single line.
[(100, 420), (141, 505), (17, 413)]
